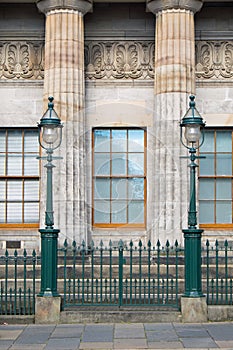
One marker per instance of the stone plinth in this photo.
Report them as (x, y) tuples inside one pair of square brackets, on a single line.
[(47, 310), (194, 310)]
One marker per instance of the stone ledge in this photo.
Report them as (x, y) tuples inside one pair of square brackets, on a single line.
[(83, 316)]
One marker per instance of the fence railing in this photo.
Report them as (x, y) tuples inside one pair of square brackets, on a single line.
[(122, 275), (118, 275), (17, 293), (217, 272)]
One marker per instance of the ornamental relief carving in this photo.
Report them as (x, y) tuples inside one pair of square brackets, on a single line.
[(21, 60), (112, 60), (119, 60), (214, 60)]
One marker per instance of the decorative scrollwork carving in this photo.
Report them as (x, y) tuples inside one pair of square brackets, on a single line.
[(119, 60), (21, 60), (214, 59)]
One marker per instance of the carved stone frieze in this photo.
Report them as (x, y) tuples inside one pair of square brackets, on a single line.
[(214, 60), (115, 60), (21, 60), (119, 60)]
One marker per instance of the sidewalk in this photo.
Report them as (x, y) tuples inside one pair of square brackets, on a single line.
[(117, 336)]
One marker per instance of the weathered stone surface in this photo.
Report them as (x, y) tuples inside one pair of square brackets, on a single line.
[(47, 310), (194, 310), (79, 5), (160, 5)]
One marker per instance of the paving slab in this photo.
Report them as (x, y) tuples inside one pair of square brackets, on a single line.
[(10, 334), (129, 331), (68, 331), (28, 347), (130, 344), (225, 344), (96, 345), (161, 336), (159, 327), (197, 343), (98, 333), (220, 331), (5, 344), (63, 344), (192, 333), (165, 345)]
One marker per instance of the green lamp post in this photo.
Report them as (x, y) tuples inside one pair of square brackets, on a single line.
[(50, 137), (192, 137)]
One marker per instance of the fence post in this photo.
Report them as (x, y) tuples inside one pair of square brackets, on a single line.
[(120, 271)]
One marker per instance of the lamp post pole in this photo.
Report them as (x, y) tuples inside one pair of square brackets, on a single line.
[(193, 124), (50, 136)]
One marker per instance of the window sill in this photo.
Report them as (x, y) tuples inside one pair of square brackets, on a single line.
[(216, 226), (19, 226)]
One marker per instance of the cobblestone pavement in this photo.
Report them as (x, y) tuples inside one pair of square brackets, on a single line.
[(117, 336)]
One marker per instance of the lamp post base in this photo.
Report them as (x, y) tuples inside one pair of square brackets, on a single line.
[(194, 310), (192, 249), (49, 262)]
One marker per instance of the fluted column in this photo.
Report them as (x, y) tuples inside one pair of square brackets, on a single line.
[(174, 81), (64, 79)]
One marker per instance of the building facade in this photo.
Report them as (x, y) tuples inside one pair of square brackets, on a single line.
[(120, 74)]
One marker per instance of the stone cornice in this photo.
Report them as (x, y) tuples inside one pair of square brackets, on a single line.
[(155, 6), (82, 6)]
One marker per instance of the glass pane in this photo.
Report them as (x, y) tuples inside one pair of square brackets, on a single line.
[(102, 212), (14, 212), (118, 163), (136, 164), (119, 188), (223, 141), (31, 141), (14, 164), (223, 212), (102, 164), (136, 188), (2, 164), (136, 141), (102, 188), (102, 140), (15, 141), (31, 212), (2, 212), (136, 212), (224, 164), (207, 165), (31, 190), (119, 212), (31, 164), (206, 212), (2, 141), (223, 188), (119, 140), (2, 190), (208, 145), (14, 190), (206, 189)]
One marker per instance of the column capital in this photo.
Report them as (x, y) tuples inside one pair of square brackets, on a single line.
[(82, 6), (155, 6)]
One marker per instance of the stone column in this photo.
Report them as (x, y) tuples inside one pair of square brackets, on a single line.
[(174, 82), (64, 80)]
